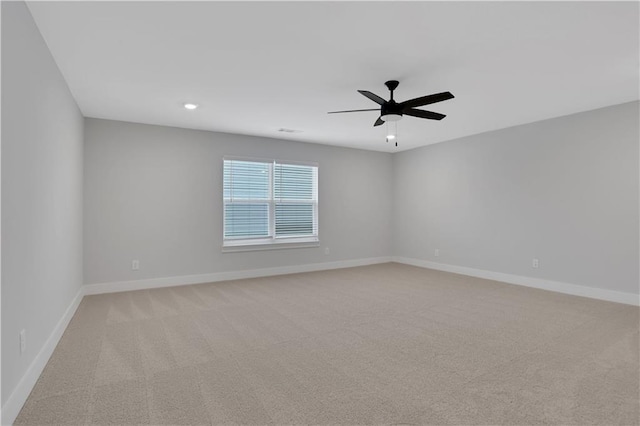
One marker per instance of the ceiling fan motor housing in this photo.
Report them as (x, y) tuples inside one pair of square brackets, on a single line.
[(391, 111)]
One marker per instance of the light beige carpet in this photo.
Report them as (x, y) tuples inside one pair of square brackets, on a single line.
[(383, 344)]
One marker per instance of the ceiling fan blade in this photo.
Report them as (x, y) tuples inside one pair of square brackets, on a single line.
[(354, 110), (423, 114), (378, 122), (375, 98), (426, 100)]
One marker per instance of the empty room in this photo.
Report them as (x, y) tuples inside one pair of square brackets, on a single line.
[(295, 213)]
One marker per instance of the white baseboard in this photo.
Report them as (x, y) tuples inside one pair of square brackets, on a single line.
[(114, 287), (19, 396), (559, 287)]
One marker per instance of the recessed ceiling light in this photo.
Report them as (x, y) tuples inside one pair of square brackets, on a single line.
[(391, 137), (190, 106)]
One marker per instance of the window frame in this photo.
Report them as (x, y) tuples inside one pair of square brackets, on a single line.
[(272, 241)]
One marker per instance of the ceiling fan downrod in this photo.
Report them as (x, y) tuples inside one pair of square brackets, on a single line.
[(392, 85)]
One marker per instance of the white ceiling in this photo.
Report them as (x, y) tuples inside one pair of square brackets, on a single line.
[(260, 66)]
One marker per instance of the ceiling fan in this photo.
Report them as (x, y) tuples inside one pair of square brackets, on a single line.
[(393, 111)]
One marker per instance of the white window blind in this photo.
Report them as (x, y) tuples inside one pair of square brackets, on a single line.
[(269, 202)]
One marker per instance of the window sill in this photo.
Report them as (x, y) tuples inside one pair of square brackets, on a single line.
[(256, 245)]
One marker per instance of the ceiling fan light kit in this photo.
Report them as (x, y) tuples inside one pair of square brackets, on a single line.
[(391, 117), (392, 111)]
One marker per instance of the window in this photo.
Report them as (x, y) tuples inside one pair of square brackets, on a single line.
[(268, 203)]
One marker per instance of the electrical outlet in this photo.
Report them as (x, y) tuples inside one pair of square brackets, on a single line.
[(437, 252), (23, 341), (535, 263), (326, 250), (135, 265)]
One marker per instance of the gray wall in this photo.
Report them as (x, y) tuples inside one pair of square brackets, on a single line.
[(563, 190), (41, 193), (153, 193)]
